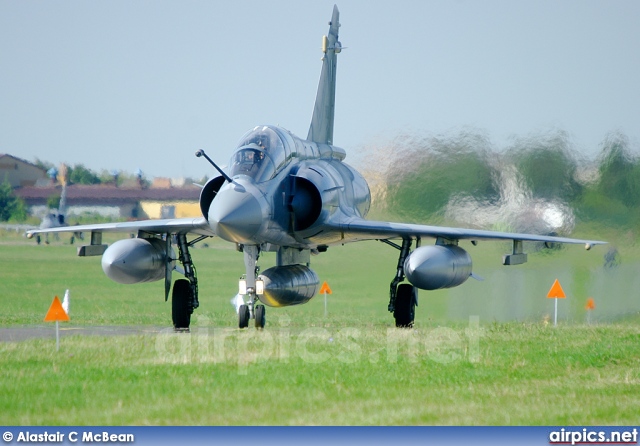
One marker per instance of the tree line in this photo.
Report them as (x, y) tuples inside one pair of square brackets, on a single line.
[(422, 175), (13, 208), (79, 174), (416, 177)]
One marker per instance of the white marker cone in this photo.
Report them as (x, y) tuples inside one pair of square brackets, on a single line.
[(65, 301)]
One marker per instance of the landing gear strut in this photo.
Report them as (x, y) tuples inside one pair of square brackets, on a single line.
[(184, 298), (250, 310), (403, 297)]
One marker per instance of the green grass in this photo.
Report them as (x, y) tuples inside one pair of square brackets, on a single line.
[(351, 367), (359, 275), (519, 374)]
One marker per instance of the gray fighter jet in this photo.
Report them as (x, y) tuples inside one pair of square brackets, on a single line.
[(55, 218), (295, 197)]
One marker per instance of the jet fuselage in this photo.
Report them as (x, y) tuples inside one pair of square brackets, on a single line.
[(285, 192)]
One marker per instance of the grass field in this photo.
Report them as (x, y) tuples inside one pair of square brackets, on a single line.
[(461, 365), (516, 374)]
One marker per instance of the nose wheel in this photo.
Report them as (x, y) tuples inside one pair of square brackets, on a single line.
[(260, 316), (244, 316), (248, 288)]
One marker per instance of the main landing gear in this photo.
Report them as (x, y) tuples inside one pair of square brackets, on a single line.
[(402, 301), (181, 305), (403, 296), (250, 287), (184, 297)]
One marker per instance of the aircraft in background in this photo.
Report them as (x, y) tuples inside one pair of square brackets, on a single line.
[(296, 197), (57, 218)]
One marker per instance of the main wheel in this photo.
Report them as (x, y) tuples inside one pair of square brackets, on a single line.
[(405, 304), (243, 316), (181, 304), (260, 316)]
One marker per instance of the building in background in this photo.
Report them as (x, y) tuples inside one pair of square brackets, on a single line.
[(116, 202), (166, 198), (19, 172)]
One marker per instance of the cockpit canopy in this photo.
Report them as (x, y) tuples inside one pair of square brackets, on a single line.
[(260, 153)]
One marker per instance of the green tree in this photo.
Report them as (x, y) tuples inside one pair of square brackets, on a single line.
[(614, 198), (111, 177), (44, 165), (79, 174), (430, 172), (11, 207), (619, 171), (548, 166)]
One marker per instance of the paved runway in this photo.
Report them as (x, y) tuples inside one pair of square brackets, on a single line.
[(22, 333)]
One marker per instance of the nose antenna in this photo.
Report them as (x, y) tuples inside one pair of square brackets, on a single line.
[(200, 153)]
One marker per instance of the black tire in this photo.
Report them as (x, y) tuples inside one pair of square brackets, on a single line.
[(181, 304), (405, 304), (260, 316), (243, 316)]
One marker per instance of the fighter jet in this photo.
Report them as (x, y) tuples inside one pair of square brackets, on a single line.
[(56, 218), (296, 197)]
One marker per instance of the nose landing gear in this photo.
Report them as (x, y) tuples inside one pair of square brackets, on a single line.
[(245, 315), (251, 287)]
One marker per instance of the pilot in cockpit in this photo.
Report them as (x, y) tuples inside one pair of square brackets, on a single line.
[(254, 156), (249, 161), (262, 141)]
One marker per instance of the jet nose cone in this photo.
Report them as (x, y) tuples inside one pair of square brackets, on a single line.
[(235, 214)]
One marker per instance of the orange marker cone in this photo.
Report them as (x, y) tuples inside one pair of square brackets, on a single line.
[(324, 289), (556, 292), (56, 313), (590, 306)]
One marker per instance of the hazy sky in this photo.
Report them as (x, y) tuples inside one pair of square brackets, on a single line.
[(144, 84)]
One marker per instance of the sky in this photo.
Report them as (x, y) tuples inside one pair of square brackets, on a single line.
[(128, 84)]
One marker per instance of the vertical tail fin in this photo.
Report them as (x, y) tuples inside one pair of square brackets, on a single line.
[(321, 129), (62, 207)]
